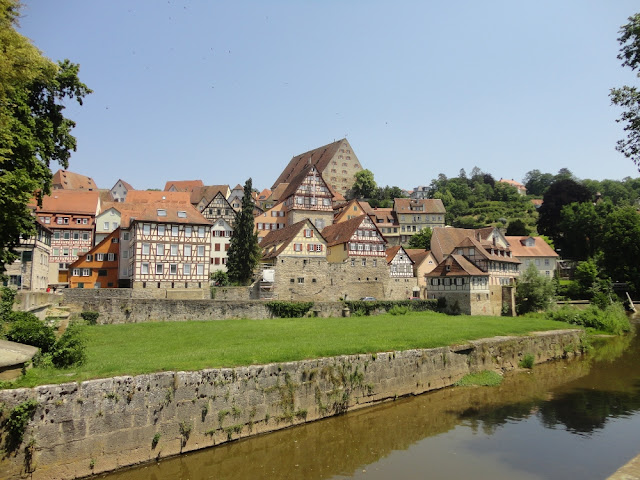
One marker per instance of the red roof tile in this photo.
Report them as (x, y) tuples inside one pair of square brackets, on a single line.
[(320, 157)]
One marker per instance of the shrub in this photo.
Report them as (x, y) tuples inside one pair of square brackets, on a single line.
[(17, 423), (412, 305), (527, 361), (90, 317), (26, 328), (289, 309), (220, 278), (7, 298), (399, 310), (69, 349), (534, 292), (611, 319)]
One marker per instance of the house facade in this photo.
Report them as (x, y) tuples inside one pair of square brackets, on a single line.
[(423, 263), (220, 240), (98, 268), (30, 271), (413, 215), (273, 219), (106, 222), (119, 191), (534, 250), (308, 196)]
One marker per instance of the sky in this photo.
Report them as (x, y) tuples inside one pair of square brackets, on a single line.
[(224, 91)]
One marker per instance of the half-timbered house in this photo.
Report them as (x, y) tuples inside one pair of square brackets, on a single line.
[(308, 196), (30, 271), (399, 262)]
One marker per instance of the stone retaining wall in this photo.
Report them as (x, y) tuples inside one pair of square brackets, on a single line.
[(79, 429)]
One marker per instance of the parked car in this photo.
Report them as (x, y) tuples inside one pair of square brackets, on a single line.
[(368, 299)]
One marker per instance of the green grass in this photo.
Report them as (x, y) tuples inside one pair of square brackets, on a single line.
[(486, 378), (138, 348)]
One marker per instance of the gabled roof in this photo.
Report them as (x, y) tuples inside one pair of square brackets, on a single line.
[(276, 194), (485, 250), (540, 248), (341, 232), (208, 192), (298, 179), (124, 184), (66, 180), (264, 194), (319, 157), (154, 196), (430, 205), (393, 251), (183, 185), (283, 237), (387, 215), (238, 187), (80, 202), (513, 183), (418, 255), (456, 266), (148, 212), (105, 196)]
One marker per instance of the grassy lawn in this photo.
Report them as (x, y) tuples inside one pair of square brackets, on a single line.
[(133, 349)]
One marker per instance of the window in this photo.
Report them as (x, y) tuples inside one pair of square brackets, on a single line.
[(200, 252), (89, 258), (125, 254), (111, 257), (56, 252), (300, 279), (160, 249), (161, 229), (217, 247), (102, 273), (56, 235), (86, 272), (65, 252), (200, 269), (146, 229), (186, 269), (125, 236), (159, 268), (146, 248), (182, 214), (174, 230), (201, 232), (66, 236), (308, 233), (105, 226), (187, 250), (318, 248), (144, 268), (353, 262), (162, 212), (375, 262), (99, 257), (115, 240), (217, 261), (364, 262), (174, 250), (75, 272), (173, 269), (85, 236), (187, 231)]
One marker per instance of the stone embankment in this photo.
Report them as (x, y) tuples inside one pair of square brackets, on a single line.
[(80, 429)]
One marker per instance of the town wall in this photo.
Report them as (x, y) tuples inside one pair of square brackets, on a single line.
[(81, 429)]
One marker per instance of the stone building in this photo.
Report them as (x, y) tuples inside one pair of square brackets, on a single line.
[(337, 162), (30, 271)]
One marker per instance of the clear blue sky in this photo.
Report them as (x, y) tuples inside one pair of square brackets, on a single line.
[(226, 90)]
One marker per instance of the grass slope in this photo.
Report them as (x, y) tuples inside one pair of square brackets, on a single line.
[(133, 349)]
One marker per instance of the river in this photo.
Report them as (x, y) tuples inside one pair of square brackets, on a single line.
[(577, 418)]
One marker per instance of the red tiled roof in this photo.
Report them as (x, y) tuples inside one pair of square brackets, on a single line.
[(540, 249), (393, 251), (458, 266), (124, 184), (66, 180), (79, 202), (485, 250), (513, 183), (183, 185), (418, 255), (283, 237), (264, 194), (208, 193), (148, 212), (319, 157)]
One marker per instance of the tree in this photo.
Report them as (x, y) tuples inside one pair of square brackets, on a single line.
[(582, 227), (621, 247), (33, 130), (629, 97), (364, 185), (585, 275), (537, 182), (517, 228), (422, 239), (534, 291), (559, 194), (244, 252)]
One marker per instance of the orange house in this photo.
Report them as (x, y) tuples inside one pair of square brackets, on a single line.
[(98, 268)]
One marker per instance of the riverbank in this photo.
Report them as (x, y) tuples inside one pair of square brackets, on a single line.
[(629, 471), (78, 429)]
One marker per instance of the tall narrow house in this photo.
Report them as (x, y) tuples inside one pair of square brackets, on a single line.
[(308, 196)]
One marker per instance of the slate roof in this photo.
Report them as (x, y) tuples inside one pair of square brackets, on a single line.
[(540, 249), (80, 202), (320, 157), (430, 205), (66, 180), (183, 185)]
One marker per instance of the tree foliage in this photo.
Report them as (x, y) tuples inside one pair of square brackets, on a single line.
[(422, 239), (628, 97), (364, 185), (244, 252), (534, 291), (33, 129), (621, 247)]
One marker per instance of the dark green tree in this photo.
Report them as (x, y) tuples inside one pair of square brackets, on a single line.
[(534, 291), (422, 239), (537, 182), (33, 130), (244, 252), (626, 97), (621, 247), (582, 227), (517, 228)]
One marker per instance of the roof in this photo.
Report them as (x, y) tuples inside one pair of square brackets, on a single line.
[(485, 250), (457, 266), (80, 202), (283, 237), (66, 180), (208, 192), (393, 251), (445, 239), (183, 185), (540, 249), (264, 194), (513, 183), (124, 184), (277, 192), (319, 157), (148, 212), (153, 196), (296, 181), (430, 205), (341, 232), (418, 255)]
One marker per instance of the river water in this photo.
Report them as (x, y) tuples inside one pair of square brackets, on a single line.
[(569, 419)]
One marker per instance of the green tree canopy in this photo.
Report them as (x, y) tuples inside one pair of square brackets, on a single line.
[(626, 97), (33, 130), (244, 252), (517, 228), (364, 185), (422, 239), (621, 247), (534, 291)]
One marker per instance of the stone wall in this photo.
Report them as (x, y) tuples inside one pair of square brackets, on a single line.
[(79, 429), (76, 295)]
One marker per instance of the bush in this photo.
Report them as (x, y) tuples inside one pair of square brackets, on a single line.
[(69, 349), (612, 319), (26, 328), (412, 305), (399, 310), (527, 361), (7, 298), (289, 309), (90, 317)]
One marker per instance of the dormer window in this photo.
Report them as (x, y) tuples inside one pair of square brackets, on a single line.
[(162, 212), (182, 214)]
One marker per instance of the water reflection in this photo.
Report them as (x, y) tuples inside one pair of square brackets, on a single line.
[(523, 427)]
